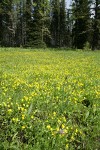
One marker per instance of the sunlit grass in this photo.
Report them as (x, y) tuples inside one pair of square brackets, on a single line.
[(49, 99)]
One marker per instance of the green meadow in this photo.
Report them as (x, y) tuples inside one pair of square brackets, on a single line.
[(49, 99)]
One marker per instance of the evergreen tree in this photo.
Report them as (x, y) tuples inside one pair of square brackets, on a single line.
[(20, 23), (63, 27), (1, 22), (36, 19), (29, 22), (69, 26), (58, 23), (39, 11), (81, 12), (6, 23), (55, 22), (45, 12), (37, 23), (96, 26)]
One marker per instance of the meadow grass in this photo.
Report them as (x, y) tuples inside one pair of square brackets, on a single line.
[(49, 100)]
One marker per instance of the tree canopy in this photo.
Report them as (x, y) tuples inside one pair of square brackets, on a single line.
[(42, 23)]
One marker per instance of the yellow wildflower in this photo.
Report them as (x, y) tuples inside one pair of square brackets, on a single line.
[(23, 127), (23, 116), (48, 127), (67, 146), (63, 126), (15, 119), (32, 117), (72, 138), (54, 113), (9, 110)]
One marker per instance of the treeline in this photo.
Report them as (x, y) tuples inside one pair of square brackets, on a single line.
[(41, 23)]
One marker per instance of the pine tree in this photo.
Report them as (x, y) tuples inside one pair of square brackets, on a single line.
[(58, 23), (45, 16), (81, 13), (69, 26), (1, 23), (6, 23), (20, 23), (96, 26), (63, 27), (36, 19), (29, 23), (38, 23), (55, 22)]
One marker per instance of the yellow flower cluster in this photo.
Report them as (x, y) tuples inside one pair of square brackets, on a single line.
[(50, 92)]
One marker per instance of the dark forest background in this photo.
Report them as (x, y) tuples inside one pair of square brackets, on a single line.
[(48, 23)]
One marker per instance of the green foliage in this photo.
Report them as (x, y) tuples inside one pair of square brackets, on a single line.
[(96, 27), (37, 28), (58, 23), (49, 100), (82, 23), (87, 46), (6, 22)]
